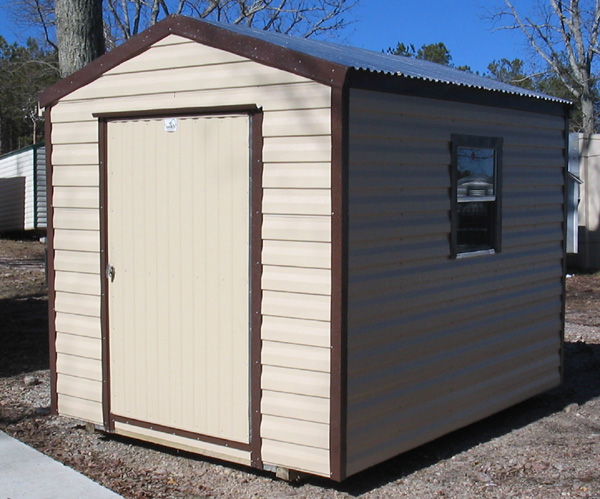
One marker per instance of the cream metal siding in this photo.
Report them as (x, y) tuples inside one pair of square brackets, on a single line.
[(178, 238), (23, 189), (588, 152), (296, 228), (433, 343)]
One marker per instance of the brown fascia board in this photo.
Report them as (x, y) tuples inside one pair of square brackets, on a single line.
[(270, 54), (417, 87)]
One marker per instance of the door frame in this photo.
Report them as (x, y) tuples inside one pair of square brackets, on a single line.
[(255, 116)]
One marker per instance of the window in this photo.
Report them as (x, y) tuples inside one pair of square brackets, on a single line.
[(476, 195)]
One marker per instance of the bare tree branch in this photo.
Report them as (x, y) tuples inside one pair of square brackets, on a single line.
[(118, 19), (565, 35), (44, 24)]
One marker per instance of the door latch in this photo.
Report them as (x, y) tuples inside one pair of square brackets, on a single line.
[(110, 272)]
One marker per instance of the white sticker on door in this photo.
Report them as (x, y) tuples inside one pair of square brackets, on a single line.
[(170, 124)]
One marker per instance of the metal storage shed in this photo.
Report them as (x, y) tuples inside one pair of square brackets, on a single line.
[(23, 189), (295, 255)]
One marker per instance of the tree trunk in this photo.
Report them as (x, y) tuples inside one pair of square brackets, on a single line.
[(79, 32), (587, 112)]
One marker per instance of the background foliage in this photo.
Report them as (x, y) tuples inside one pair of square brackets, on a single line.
[(24, 72)]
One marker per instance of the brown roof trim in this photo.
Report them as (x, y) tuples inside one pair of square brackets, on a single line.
[(270, 54), (367, 80), (402, 85)]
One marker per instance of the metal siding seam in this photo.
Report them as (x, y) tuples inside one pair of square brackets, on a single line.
[(50, 268), (339, 280)]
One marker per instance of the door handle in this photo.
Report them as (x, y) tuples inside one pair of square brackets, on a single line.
[(110, 272)]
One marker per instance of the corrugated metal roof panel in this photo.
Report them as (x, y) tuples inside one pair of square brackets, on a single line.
[(378, 62)]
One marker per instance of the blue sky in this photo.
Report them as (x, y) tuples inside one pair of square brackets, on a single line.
[(460, 25), (380, 24)]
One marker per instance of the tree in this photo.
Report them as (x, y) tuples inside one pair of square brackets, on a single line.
[(512, 72), (516, 73), (24, 72), (433, 52), (79, 33), (304, 18), (125, 18), (564, 33), (403, 50)]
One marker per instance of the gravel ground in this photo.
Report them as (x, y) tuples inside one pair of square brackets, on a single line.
[(547, 447)]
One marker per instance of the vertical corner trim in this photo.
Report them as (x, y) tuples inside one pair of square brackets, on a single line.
[(256, 217), (564, 247), (50, 265), (339, 279)]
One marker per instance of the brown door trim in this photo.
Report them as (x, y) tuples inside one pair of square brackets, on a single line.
[(256, 167), (231, 444)]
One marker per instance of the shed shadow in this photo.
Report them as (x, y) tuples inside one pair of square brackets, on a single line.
[(23, 334), (582, 364)]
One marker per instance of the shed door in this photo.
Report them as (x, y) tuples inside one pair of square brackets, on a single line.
[(178, 302)]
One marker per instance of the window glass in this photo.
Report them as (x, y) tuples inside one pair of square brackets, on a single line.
[(475, 193), (475, 226), (476, 169), (475, 190)]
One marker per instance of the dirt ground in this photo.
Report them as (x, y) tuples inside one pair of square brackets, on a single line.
[(547, 447)]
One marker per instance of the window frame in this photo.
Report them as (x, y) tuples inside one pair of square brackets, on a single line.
[(477, 142)]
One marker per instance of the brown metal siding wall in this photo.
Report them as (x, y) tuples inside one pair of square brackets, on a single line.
[(434, 343)]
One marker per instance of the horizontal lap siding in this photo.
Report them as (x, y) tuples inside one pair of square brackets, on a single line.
[(434, 343), (41, 189), (17, 201), (296, 231)]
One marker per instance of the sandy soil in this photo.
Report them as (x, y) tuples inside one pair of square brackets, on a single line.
[(547, 447)]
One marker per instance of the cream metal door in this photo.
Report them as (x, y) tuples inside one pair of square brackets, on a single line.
[(178, 274)]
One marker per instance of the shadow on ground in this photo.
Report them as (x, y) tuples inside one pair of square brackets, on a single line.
[(582, 368), (24, 348), (23, 335)]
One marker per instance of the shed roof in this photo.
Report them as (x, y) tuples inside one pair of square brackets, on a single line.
[(379, 62), (323, 61)]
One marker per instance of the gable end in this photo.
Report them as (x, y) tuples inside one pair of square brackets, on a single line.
[(319, 70)]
